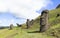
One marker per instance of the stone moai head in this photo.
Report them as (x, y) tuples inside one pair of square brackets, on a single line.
[(44, 20), (11, 26), (27, 20), (44, 12), (28, 23)]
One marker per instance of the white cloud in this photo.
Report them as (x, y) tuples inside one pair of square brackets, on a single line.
[(0, 21), (23, 8), (6, 22)]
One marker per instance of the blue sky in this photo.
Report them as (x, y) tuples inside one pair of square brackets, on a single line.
[(7, 18), (50, 6), (17, 11), (54, 5)]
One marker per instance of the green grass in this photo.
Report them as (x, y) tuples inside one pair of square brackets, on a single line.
[(23, 33), (5, 33), (54, 23)]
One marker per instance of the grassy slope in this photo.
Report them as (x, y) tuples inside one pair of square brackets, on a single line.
[(5, 33), (29, 33), (54, 22), (54, 26)]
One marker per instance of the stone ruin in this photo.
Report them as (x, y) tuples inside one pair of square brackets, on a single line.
[(18, 25), (11, 26), (44, 20)]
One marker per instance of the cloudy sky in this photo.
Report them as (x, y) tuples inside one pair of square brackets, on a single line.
[(17, 11)]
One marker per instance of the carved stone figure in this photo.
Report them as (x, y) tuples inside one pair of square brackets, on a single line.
[(28, 23), (44, 20), (18, 25), (11, 26)]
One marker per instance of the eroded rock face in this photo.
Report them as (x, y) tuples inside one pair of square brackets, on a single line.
[(11, 26), (44, 20)]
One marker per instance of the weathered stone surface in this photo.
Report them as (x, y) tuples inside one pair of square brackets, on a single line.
[(11, 26), (44, 20)]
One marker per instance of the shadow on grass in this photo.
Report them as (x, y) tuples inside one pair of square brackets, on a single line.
[(34, 32)]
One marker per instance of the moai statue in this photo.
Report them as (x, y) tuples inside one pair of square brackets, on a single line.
[(11, 26), (44, 20), (28, 23), (18, 25), (31, 22)]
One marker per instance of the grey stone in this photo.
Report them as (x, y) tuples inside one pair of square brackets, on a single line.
[(11, 26), (28, 23), (44, 20)]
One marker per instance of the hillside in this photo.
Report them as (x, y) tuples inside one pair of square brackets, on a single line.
[(54, 22), (53, 19), (32, 32)]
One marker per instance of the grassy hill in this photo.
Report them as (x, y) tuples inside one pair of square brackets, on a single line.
[(54, 22), (32, 32)]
